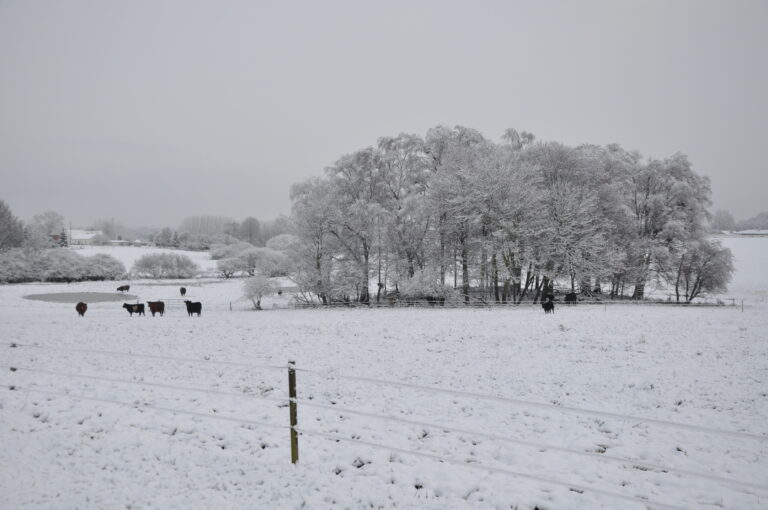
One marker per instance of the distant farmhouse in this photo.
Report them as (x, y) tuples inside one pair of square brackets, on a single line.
[(83, 237)]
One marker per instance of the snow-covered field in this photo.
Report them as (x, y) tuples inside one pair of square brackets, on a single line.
[(593, 407)]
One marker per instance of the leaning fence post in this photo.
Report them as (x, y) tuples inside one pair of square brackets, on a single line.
[(293, 413)]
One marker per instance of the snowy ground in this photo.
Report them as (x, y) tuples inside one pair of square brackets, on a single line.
[(594, 407)]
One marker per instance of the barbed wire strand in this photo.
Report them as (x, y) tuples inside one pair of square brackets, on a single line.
[(149, 356), (149, 384), (541, 405), (142, 407)]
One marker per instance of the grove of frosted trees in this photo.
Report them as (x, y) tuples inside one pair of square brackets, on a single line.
[(456, 216)]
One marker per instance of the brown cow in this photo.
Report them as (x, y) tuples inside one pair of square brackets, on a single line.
[(156, 307), (81, 308)]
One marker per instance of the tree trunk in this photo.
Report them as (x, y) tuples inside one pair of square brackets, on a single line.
[(677, 280), (495, 270), (365, 297), (639, 292), (506, 290), (528, 281), (465, 269)]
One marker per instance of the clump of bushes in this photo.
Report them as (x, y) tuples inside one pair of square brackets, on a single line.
[(57, 265), (165, 265)]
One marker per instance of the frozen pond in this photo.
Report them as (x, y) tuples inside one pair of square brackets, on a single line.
[(76, 297)]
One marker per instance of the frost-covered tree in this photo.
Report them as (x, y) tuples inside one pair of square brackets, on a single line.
[(311, 212), (702, 267), (357, 186), (164, 238), (223, 251), (502, 221), (42, 229), (11, 228), (723, 220), (262, 260), (758, 222), (165, 265), (228, 267), (250, 231), (257, 287)]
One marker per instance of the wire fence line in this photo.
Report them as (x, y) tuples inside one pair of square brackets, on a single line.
[(421, 304), (431, 389), (150, 384), (451, 461), (337, 409), (149, 356), (542, 405), (152, 407)]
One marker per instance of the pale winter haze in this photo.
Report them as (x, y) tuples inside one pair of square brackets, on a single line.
[(153, 111)]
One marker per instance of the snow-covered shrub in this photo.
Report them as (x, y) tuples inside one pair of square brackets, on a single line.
[(426, 285), (165, 265), (263, 260), (61, 266), (228, 267), (227, 251), (15, 267), (103, 267), (285, 243), (257, 287), (57, 265)]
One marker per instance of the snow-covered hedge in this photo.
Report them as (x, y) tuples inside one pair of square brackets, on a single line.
[(227, 251), (165, 265), (57, 265)]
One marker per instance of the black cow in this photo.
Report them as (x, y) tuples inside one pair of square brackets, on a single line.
[(81, 308), (137, 308), (571, 298), (156, 307), (193, 308), (549, 304), (124, 288), (183, 291)]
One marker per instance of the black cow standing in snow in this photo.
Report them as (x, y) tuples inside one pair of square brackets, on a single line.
[(183, 291), (193, 308), (549, 304), (571, 298), (138, 308)]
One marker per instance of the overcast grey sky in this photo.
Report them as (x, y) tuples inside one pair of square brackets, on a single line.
[(150, 111)]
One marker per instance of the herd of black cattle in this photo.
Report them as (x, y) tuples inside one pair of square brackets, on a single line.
[(155, 307)]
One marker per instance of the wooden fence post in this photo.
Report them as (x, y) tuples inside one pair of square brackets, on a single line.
[(293, 413)]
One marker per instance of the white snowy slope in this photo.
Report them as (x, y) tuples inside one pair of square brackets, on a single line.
[(593, 407)]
